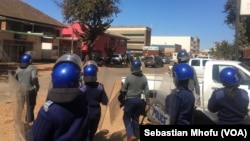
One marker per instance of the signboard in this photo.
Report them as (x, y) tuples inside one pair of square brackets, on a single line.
[(46, 46), (150, 48), (128, 51), (245, 7)]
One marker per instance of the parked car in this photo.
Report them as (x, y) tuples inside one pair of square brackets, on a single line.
[(166, 60), (116, 59), (153, 61)]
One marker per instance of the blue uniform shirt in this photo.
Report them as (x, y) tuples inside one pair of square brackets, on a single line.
[(180, 106), (62, 121), (230, 110)]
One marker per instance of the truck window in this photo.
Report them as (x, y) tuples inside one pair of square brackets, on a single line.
[(216, 73), (245, 78), (245, 66), (204, 62), (218, 68), (195, 63)]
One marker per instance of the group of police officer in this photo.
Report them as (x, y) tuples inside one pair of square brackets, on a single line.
[(229, 102), (72, 110)]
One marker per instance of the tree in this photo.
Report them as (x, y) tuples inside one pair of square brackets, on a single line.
[(223, 50), (244, 25), (94, 17)]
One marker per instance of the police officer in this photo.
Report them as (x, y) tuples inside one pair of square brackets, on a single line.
[(96, 94), (231, 102), (179, 104), (26, 75), (193, 84), (64, 116), (135, 84)]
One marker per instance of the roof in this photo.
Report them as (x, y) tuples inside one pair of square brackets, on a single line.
[(116, 35), (128, 27), (17, 9), (225, 62)]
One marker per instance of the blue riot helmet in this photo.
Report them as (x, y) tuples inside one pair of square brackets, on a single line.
[(182, 56), (183, 71), (26, 59), (91, 62), (66, 75), (230, 77), (70, 57), (136, 65), (90, 73), (68, 65), (65, 78)]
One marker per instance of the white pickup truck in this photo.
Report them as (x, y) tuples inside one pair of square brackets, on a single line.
[(162, 85), (211, 82), (199, 65)]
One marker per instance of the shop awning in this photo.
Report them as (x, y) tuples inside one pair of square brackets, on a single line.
[(23, 33), (67, 38)]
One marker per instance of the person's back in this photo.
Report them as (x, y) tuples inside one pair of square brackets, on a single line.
[(230, 110), (64, 116), (179, 104), (137, 81), (96, 95), (193, 84), (230, 102), (25, 75), (62, 121), (135, 84)]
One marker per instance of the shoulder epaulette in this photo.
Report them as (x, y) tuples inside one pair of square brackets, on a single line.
[(46, 105), (100, 86), (83, 88)]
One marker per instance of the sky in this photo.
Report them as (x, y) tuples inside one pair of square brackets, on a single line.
[(197, 18)]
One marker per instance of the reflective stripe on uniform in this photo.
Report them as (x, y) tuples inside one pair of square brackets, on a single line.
[(46, 105)]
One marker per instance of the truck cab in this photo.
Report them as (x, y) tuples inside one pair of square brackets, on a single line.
[(199, 65), (212, 81)]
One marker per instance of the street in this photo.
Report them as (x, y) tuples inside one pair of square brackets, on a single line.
[(111, 125)]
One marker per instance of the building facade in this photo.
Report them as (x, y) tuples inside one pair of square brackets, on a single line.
[(106, 45), (24, 28), (138, 36), (189, 43)]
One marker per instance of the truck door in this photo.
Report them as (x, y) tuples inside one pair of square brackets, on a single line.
[(211, 84)]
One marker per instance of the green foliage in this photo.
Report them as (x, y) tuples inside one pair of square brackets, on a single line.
[(94, 16), (230, 10), (223, 50), (244, 25)]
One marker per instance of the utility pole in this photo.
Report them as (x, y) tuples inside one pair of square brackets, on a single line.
[(72, 38), (237, 23)]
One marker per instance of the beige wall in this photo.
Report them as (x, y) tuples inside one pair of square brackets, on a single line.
[(135, 42), (36, 40)]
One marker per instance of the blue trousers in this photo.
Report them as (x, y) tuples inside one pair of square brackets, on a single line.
[(132, 110), (94, 118)]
